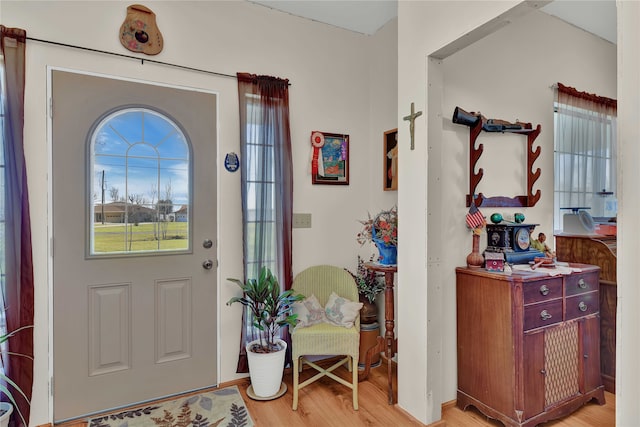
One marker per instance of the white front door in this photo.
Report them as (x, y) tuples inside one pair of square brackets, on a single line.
[(134, 242)]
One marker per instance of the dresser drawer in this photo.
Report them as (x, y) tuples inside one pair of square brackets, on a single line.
[(542, 314), (582, 305), (542, 290), (580, 283)]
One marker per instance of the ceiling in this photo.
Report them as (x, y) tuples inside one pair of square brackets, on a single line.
[(368, 16), (361, 16)]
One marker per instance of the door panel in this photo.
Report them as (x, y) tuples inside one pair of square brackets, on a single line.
[(135, 327), (109, 349)]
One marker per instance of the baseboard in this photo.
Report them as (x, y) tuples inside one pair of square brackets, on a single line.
[(449, 404), (444, 406), (239, 381)]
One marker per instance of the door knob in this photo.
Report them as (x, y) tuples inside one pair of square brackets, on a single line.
[(207, 264)]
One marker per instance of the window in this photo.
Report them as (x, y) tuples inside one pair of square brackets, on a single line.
[(260, 224), (140, 184), (584, 159), (267, 183)]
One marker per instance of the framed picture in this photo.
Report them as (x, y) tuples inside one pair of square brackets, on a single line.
[(330, 161), (390, 160)]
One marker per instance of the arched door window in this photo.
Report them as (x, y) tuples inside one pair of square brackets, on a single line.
[(140, 184)]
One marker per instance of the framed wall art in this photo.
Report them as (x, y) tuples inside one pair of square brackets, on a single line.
[(330, 158), (390, 160)]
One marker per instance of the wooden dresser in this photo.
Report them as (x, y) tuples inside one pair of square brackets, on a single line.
[(528, 344), (601, 251)]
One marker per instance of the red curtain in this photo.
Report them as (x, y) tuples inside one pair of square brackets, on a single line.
[(18, 280), (267, 177), (589, 99)]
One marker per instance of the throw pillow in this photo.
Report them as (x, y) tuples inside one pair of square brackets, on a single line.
[(309, 312), (341, 311)]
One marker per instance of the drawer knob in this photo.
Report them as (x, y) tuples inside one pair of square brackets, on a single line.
[(582, 306), (582, 284), (544, 290), (545, 315)]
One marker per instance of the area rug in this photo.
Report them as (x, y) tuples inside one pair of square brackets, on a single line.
[(223, 408)]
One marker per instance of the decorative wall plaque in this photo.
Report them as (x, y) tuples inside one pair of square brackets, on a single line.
[(139, 31)]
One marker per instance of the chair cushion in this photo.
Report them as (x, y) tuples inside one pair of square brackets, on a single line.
[(325, 339), (310, 312), (341, 311)]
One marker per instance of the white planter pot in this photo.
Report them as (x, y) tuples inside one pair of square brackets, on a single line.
[(8, 409), (266, 370)]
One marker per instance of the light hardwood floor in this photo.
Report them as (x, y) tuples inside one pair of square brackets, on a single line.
[(590, 415), (327, 403)]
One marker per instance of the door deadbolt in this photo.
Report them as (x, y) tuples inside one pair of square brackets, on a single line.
[(207, 244)]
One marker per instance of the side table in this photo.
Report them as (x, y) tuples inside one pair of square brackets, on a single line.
[(388, 344)]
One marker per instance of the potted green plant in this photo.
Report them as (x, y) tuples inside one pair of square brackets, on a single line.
[(370, 283), (271, 309), (6, 408)]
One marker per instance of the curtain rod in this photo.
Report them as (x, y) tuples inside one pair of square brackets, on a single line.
[(142, 60)]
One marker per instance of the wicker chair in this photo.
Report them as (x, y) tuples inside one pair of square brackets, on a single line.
[(326, 339)]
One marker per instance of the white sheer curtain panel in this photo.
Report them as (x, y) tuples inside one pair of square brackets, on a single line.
[(584, 154)]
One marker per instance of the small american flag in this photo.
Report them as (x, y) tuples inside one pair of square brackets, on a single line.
[(474, 217)]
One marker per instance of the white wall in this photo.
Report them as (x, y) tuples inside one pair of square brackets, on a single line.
[(383, 111), (331, 79), (423, 28)]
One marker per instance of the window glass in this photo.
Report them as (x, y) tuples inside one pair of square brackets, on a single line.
[(260, 225), (139, 184), (584, 156)]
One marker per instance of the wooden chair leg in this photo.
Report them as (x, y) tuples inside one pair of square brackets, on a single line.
[(355, 385), (350, 361), (296, 378)]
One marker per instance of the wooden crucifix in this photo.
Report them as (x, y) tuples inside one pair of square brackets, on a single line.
[(412, 118)]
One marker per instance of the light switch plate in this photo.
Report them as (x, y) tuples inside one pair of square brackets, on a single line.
[(301, 220)]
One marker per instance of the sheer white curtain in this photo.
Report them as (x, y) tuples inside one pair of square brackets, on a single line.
[(584, 154)]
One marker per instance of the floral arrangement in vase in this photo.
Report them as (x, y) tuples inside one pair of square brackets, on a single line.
[(382, 229)]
